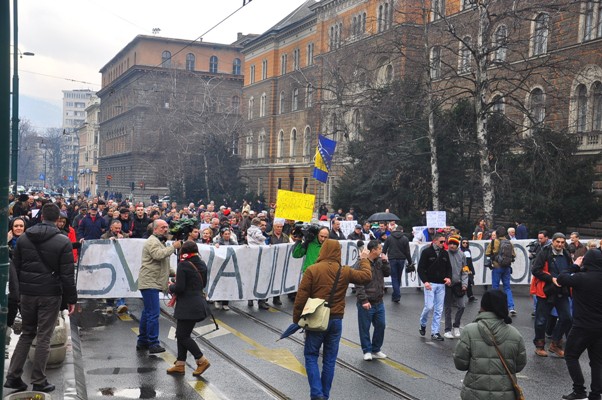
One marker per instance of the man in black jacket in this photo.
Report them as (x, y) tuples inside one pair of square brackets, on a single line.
[(139, 223), (587, 324), (434, 270), (43, 261), (397, 249)]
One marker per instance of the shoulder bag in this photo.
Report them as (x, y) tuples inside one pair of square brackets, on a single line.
[(518, 392), (316, 313)]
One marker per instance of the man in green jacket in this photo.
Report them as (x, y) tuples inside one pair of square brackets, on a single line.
[(310, 250), (153, 278)]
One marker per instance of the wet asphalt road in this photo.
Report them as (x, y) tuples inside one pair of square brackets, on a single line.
[(248, 363)]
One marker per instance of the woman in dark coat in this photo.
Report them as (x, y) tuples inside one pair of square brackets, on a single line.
[(191, 277), (465, 248)]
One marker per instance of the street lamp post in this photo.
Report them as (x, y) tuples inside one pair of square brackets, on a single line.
[(15, 105)]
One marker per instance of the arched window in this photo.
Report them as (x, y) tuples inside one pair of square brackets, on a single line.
[(436, 62), (438, 9), (236, 66), (261, 146), (465, 55), (307, 142), (293, 143), (166, 59), (540, 34), (190, 62), (280, 146), (498, 105), (309, 96), (597, 109), (249, 147), (262, 105), (356, 125), (281, 103), (295, 102), (251, 105), (235, 104), (581, 108), (537, 106), (213, 64), (501, 43)]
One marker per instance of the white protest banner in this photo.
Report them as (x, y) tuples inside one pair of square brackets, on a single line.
[(110, 268), (436, 219)]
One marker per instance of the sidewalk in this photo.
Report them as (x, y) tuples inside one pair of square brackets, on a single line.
[(62, 376)]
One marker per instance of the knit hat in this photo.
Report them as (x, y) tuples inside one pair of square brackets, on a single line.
[(454, 239), (593, 258), (558, 235), (496, 302)]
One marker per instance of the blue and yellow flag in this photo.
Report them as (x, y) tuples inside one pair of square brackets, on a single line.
[(324, 153)]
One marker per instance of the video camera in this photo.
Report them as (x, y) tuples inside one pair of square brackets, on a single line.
[(305, 231), (180, 229)]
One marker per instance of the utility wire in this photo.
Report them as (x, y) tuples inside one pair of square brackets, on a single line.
[(59, 77)]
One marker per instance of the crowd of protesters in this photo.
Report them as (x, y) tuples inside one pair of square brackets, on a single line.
[(445, 269)]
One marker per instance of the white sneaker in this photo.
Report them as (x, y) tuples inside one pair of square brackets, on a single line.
[(367, 356), (379, 355), (225, 307), (218, 305), (109, 310), (448, 335), (457, 332)]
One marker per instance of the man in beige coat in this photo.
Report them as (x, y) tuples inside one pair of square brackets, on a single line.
[(153, 278)]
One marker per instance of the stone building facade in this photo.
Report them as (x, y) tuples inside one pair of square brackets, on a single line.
[(155, 91), (310, 73)]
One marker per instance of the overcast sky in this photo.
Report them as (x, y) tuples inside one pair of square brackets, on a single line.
[(73, 39)]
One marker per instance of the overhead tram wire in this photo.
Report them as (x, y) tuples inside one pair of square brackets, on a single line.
[(245, 2), (59, 77)]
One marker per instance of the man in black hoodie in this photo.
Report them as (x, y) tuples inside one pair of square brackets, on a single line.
[(397, 249), (43, 261), (587, 324)]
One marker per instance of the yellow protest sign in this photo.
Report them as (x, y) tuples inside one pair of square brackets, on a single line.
[(295, 206)]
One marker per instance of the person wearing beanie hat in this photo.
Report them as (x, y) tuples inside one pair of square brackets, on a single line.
[(475, 352), (502, 255), (459, 279), (549, 263), (587, 323)]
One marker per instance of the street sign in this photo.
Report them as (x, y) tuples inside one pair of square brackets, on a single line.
[(70, 178), (42, 177)]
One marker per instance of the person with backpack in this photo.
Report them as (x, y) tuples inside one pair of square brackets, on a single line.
[(502, 256)]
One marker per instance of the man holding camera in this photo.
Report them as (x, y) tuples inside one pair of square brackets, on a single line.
[(153, 278), (310, 249)]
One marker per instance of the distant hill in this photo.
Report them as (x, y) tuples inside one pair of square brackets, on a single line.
[(41, 113)]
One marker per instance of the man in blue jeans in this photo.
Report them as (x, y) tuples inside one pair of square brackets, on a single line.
[(318, 282), (153, 278), (434, 270), (370, 307), (397, 249), (501, 272)]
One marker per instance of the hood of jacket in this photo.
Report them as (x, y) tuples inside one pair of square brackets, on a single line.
[(41, 232), (397, 234), (495, 324), (330, 251)]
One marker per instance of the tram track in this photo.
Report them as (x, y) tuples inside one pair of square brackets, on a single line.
[(381, 384), (271, 389)]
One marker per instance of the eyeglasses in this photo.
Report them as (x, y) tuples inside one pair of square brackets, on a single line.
[(441, 241)]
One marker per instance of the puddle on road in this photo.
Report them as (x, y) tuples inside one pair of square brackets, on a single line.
[(118, 371), (144, 392)]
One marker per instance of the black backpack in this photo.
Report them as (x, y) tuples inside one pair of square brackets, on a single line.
[(504, 256)]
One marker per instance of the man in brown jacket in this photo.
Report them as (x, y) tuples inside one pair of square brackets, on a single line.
[(317, 282)]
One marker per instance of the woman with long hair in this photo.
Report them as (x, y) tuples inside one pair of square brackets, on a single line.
[(191, 307)]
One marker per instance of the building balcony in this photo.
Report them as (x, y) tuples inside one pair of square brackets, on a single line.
[(589, 142)]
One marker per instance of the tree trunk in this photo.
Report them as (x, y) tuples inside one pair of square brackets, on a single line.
[(431, 116), (481, 92)]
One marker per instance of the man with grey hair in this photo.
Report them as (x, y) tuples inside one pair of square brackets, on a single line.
[(153, 278), (512, 234), (278, 237)]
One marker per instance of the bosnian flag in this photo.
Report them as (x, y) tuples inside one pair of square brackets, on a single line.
[(323, 159)]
